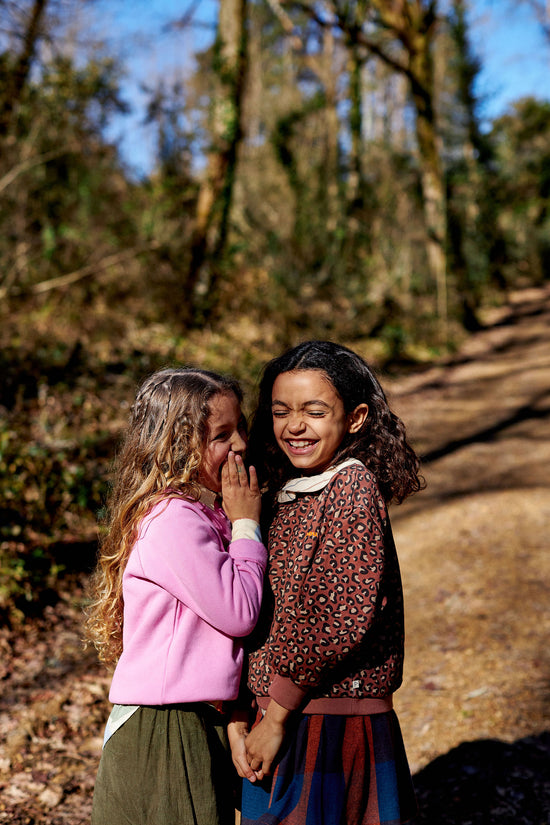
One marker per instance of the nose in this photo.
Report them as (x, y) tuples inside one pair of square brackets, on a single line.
[(238, 442), (295, 422)]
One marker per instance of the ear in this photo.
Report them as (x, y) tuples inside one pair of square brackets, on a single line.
[(357, 418)]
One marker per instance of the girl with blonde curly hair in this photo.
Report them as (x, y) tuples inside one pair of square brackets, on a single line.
[(177, 586)]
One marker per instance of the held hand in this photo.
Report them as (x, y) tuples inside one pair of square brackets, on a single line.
[(241, 497), (237, 731), (265, 740)]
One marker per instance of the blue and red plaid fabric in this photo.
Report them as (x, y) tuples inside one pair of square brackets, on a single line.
[(336, 770)]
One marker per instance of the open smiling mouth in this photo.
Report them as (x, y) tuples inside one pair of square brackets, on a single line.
[(301, 445)]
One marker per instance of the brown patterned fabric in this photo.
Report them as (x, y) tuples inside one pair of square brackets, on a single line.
[(334, 611)]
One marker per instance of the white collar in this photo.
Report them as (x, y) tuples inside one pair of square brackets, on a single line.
[(311, 484)]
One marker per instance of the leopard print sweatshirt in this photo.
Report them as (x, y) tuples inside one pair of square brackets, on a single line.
[(332, 625)]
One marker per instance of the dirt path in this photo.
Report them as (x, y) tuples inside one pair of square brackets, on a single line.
[(474, 550), (476, 569)]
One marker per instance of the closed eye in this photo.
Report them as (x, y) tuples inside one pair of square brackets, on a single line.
[(314, 413)]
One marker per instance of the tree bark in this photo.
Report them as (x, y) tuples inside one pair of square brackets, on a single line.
[(432, 174), (15, 85), (413, 24), (214, 200), (355, 123)]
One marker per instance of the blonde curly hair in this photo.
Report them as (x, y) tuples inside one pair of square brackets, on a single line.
[(160, 458)]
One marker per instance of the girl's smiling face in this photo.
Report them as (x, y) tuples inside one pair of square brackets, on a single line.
[(309, 420), (226, 430)]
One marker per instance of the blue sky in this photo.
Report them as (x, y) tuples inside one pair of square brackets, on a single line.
[(515, 55)]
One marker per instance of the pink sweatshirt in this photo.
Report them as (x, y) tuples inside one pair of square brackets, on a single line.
[(189, 594)]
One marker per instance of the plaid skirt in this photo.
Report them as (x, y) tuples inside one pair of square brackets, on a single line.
[(167, 765), (336, 770)]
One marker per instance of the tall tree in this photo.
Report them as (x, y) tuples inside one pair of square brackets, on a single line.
[(209, 234), (17, 75), (522, 140), (470, 208), (411, 25)]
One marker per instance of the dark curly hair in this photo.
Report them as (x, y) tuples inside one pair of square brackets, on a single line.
[(381, 443)]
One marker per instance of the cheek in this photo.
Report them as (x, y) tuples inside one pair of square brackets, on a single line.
[(221, 454), (213, 459)]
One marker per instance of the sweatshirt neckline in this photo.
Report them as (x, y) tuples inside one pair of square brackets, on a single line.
[(312, 484), (209, 498)]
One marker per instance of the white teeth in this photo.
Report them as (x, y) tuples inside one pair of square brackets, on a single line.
[(298, 444)]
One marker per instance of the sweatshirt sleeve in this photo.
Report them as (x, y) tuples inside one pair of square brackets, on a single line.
[(339, 596), (180, 550)]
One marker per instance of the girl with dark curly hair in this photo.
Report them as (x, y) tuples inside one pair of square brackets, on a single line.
[(327, 655)]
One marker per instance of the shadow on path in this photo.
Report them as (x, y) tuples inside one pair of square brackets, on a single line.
[(488, 781), (528, 412)]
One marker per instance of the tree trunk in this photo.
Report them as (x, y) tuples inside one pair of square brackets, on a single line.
[(432, 175), (412, 23), (214, 201), (16, 81), (330, 183), (355, 124)]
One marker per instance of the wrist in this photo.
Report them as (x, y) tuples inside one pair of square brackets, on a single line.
[(276, 714), (237, 729)]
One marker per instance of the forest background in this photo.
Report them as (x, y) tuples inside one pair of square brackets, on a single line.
[(313, 169), (320, 169)]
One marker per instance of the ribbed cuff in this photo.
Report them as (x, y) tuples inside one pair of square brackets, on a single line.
[(246, 528), (286, 693)]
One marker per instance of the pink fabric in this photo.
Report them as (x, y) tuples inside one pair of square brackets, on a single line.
[(189, 595)]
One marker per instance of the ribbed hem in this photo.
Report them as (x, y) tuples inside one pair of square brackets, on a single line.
[(341, 706)]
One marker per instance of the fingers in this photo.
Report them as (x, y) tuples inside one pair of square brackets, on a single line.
[(241, 497), (243, 769), (234, 472), (237, 730), (259, 767), (240, 762), (255, 768), (242, 478), (259, 761), (254, 485), (234, 469)]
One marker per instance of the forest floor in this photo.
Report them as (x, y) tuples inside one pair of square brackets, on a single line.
[(474, 706)]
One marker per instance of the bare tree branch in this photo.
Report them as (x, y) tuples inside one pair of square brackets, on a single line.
[(285, 21), (25, 165), (79, 274), (339, 22), (186, 19)]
